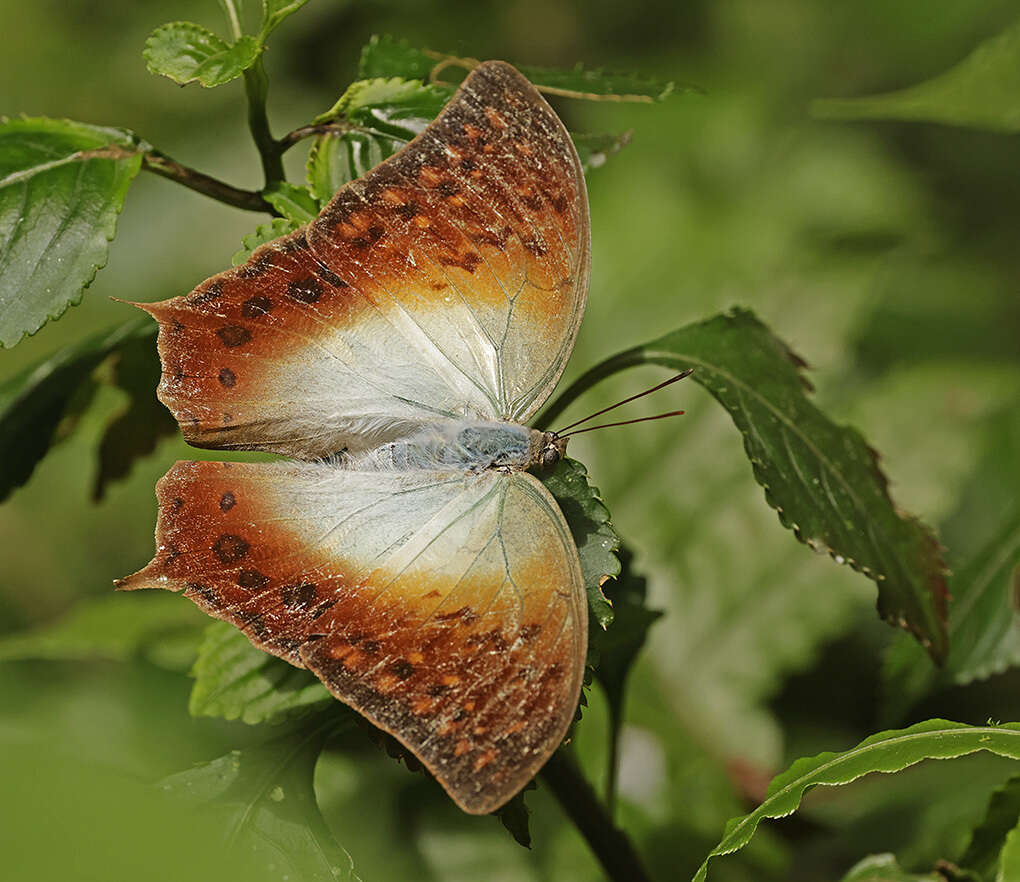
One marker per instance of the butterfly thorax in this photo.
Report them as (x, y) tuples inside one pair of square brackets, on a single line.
[(468, 446)]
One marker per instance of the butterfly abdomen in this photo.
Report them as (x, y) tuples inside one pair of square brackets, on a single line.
[(467, 446)]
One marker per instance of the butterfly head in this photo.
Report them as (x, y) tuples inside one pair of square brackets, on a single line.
[(547, 449)]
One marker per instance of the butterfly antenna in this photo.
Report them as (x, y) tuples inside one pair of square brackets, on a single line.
[(660, 416), (592, 416)]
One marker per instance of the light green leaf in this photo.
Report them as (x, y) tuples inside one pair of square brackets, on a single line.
[(296, 204), (884, 868), (600, 84), (1009, 859), (588, 519), (187, 53), (336, 159), (890, 751), (34, 402), (822, 479), (263, 799), (62, 185), (982, 91), (392, 105), (385, 56), (275, 11), (278, 226), (111, 628), (986, 843), (234, 680)]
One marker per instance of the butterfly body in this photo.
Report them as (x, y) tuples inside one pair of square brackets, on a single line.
[(470, 446), (425, 575)]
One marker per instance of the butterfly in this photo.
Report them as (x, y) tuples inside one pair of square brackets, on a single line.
[(394, 349)]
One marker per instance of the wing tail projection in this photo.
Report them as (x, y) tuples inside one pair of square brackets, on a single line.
[(447, 608)]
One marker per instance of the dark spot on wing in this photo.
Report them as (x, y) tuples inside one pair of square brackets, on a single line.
[(233, 335), (307, 290), (300, 596), (256, 306), (227, 378), (230, 548), (227, 501), (253, 580)]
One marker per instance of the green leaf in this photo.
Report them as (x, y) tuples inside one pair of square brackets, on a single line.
[(144, 421), (296, 204), (187, 53), (111, 628), (62, 185), (597, 83), (336, 159), (391, 105), (982, 91), (278, 226), (588, 519), (884, 868), (263, 799), (1009, 859), (275, 11), (594, 150), (984, 631), (385, 56), (35, 401), (890, 751), (987, 840), (234, 680), (822, 479)]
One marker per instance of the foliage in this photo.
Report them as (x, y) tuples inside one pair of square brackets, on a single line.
[(742, 615)]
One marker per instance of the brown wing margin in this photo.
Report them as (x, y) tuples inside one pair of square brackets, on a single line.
[(450, 280)]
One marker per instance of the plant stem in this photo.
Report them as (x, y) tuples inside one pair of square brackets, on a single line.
[(613, 365), (256, 85), (310, 131), (608, 842), (164, 166)]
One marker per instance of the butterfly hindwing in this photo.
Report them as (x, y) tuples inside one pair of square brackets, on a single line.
[(447, 283), (446, 607)]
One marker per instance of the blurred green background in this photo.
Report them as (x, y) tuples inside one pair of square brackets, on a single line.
[(887, 254)]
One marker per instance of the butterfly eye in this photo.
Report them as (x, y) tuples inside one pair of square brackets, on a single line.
[(550, 456)]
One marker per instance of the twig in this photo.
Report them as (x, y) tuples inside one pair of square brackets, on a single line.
[(331, 128), (256, 85), (156, 162), (608, 842)]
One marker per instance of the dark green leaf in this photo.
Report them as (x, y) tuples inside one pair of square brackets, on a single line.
[(884, 868), (384, 56), (144, 421), (187, 53), (588, 519), (594, 150), (263, 799), (34, 401), (601, 84), (822, 479), (112, 628), (296, 204), (515, 816), (890, 751), (62, 185), (275, 11), (278, 226), (235, 680), (982, 91), (986, 843)]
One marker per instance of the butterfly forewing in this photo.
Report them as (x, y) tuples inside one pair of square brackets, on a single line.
[(447, 607), (447, 283)]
